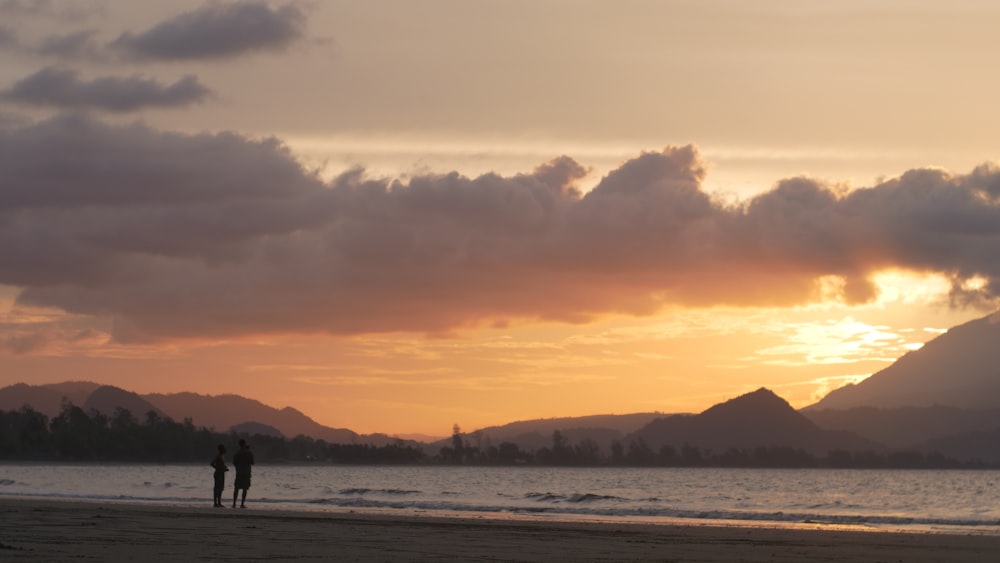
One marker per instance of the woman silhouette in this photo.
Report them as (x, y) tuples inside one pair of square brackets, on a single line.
[(219, 463)]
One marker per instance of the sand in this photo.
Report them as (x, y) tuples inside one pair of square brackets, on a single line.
[(44, 530)]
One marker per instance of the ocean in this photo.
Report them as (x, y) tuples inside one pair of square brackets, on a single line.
[(896, 500)]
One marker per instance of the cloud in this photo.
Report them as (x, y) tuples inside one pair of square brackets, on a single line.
[(71, 46), (169, 235), (62, 88), (8, 38), (218, 30), (60, 10), (77, 45)]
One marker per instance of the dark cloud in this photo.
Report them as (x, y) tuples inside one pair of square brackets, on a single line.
[(62, 88), (169, 235), (218, 30)]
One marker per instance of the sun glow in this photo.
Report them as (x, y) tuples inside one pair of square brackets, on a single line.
[(900, 286)]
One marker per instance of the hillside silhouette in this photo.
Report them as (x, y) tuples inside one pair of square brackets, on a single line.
[(960, 368), (221, 413), (226, 411), (602, 429), (760, 418), (107, 399), (48, 398), (906, 427), (944, 397), (940, 400)]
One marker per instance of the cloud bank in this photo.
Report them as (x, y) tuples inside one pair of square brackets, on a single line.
[(171, 235), (62, 88), (217, 30)]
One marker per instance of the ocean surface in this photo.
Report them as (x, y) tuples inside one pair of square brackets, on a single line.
[(932, 500)]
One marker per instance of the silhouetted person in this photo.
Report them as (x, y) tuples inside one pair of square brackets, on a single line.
[(219, 463), (242, 461)]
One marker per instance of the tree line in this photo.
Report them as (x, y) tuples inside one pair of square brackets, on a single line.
[(77, 435), (635, 452)]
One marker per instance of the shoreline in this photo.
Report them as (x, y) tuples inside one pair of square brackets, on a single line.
[(268, 506), (57, 530)]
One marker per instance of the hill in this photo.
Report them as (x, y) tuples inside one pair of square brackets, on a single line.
[(534, 434), (222, 413), (960, 368), (944, 397), (906, 427), (225, 411), (756, 419), (46, 399), (107, 399)]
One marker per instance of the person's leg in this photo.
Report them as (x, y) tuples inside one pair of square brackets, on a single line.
[(243, 501), (236, 491)]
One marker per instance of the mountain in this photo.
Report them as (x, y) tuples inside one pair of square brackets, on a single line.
[(619, 422), (107, 399), (906, 427), (960, 368), (983, 446), (46, 399), (223, 412), (253, 428), (760, 418), (535, 434)]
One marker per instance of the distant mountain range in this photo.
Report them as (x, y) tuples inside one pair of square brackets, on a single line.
[(960, 368), (756, 419), (220, 412), (942, 398), (603, 429)]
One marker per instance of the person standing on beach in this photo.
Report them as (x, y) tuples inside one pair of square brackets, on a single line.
[(219, 463), (242, 461)]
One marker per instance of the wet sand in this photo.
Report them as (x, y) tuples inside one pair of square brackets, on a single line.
[(43, 530)]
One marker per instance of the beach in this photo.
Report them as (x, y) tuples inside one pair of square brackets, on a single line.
[(49, 530)]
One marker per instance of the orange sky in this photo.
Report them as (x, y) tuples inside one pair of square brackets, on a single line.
[(401, 216)]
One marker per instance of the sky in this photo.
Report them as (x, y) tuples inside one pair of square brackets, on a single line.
[(399, 216)]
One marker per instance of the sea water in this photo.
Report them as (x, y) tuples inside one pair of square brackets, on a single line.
[(930, 500)]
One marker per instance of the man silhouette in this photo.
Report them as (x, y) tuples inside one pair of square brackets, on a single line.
[(242, 461)]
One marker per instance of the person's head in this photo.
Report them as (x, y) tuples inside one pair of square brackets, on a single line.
[(243, 443), (222, 449)]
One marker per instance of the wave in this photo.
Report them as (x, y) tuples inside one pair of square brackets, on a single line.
[(364, 491), (584, 505), (647, 513), (573, 497), (651, 513)]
